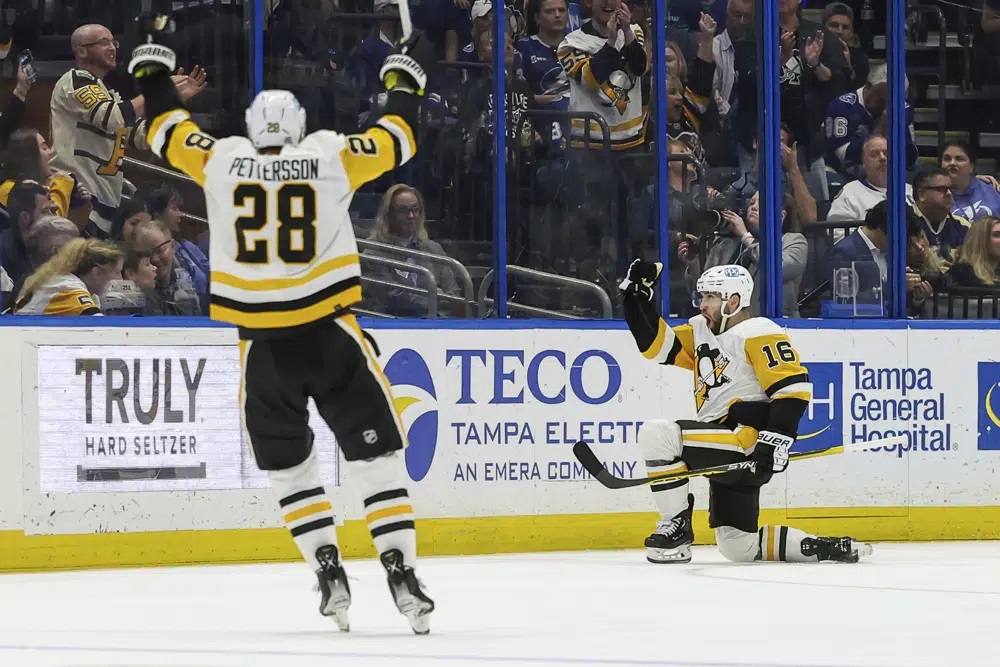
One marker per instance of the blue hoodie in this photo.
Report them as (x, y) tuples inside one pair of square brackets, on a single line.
[(979, 200)]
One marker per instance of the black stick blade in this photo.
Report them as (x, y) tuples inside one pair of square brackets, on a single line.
[(586, 456)]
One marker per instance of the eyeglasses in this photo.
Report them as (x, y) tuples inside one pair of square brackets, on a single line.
[(408, 210), (938, 188), (741, 17), (106, 42), (157, 250)]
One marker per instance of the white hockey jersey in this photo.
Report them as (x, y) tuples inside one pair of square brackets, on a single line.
[(63, 295), (90, 128), (282, 247), (752, 361), (620, 103)]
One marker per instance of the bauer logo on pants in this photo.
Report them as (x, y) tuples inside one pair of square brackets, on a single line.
[(416, 402), (822, 425), (989, 405)]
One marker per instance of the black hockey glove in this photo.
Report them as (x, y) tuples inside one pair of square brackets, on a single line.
[(771, 454), (640, 278), (410, 64), (154, 54)]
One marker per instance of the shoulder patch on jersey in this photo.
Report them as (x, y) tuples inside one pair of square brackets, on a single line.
[(81, 77), (850, 98)]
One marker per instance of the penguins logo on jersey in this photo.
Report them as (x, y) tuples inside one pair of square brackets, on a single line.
[(710, 364)]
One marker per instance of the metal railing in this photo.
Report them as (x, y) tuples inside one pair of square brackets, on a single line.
[(431, 292), (573, 283), (966, 303), (461, 273), (164, 172)]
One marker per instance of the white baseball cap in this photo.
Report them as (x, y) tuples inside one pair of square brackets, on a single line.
[(382, 4)]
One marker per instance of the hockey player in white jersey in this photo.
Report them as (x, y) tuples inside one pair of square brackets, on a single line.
[(285, 271), (750, 391)]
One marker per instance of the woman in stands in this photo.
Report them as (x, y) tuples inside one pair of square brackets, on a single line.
[(400, 222), (67, 283), (979, 258), (28, 159), (130, 213), (43, 241), (974, 197)]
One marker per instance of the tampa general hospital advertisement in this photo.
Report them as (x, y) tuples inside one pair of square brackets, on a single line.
[(492, 416)]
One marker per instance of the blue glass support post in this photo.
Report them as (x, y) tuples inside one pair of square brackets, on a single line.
[(499, 163), (257, 45), (769, 157), (895, 54), (660, 144)]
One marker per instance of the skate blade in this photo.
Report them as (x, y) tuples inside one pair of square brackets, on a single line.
[(336, 609), (660, 556), (417, 613), (420, 622), (864, 550)]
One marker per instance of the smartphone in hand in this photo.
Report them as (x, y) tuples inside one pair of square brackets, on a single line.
[(28, 66)]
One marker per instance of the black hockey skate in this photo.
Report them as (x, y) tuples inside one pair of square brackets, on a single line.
[(333, 587), (407, 592), (839, 549), (671, 541)]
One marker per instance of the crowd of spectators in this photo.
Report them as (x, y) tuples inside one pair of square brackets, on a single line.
[(580, 162)]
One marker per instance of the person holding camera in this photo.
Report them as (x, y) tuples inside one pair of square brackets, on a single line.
[(737, 241)]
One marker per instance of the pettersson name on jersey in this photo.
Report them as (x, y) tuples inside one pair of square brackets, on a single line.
[(282, 245), (275, 170)]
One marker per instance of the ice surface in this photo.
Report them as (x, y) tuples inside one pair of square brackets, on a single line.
[(913, 604)]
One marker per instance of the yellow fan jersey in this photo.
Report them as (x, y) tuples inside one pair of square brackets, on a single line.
[(63, 295), (282, 246), (752, 361)]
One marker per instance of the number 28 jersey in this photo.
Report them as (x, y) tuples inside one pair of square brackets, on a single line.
[(282, 246)]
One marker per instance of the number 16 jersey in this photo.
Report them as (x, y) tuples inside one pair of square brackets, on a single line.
[(282, 247)]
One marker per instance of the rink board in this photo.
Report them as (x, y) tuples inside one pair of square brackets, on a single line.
[(124, 445)]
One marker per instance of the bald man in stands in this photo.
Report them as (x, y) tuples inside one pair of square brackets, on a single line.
[(92, 125)]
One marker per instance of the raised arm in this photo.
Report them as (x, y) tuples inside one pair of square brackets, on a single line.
[(656, 341)]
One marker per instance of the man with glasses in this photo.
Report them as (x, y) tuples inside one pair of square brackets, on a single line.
[(92, 125), (945, 230)]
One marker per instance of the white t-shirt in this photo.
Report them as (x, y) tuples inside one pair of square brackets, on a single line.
[(854, 202)]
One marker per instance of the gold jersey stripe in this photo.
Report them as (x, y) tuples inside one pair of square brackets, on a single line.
[(272, 284), (281, 319)]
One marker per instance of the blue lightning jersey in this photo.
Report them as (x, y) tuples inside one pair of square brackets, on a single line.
[(543, 72), (848, 126)]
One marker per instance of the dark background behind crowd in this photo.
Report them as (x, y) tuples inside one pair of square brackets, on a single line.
[(581, 150)]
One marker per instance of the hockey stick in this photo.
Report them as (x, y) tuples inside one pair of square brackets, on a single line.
[(404, 19), (590, 462)]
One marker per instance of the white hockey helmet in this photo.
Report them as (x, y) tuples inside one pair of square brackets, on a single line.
[(726, 280), (274, 119)]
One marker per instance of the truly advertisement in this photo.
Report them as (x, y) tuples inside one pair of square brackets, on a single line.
[(148, 418), (857, 401), (137, 418), (511, 414)]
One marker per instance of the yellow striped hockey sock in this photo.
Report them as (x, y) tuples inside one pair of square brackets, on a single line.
[(382, 482), (781, 543), (305, 507), (390, 520)]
